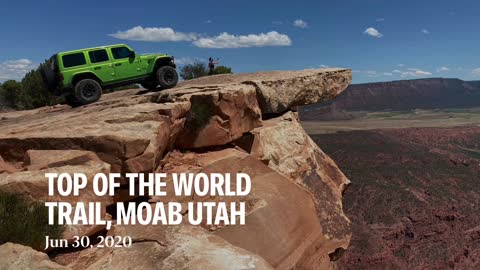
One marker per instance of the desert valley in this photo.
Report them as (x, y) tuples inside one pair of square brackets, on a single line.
[(412, 152)]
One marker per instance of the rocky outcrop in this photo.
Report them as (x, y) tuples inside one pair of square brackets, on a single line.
[(13, 257), (33, 184), (224, 123), (167, 247), (274, 198), (6, 167), (279, 91), (42, 159), (218, 116), (283, 145)]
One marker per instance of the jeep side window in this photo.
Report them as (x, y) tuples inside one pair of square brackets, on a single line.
[(121, 52), (98, 56), (74, 59)]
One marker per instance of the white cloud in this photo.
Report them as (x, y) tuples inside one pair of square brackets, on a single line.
[(443, 69), (368, 73), (158, 34), (415, 72), (373, 73), (380, 20), (323, 66), (409, 72), (226, 40), (221, 41), (425, 31), (208, 21), (189, 60), (15, 69), (300, 23), (476, 72), (401, 65), (373, 32)]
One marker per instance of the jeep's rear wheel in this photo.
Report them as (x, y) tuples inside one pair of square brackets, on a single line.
[(167, 77), (87, 91), (149, 84)]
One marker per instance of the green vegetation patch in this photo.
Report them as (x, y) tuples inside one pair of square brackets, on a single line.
[(200, 113), (25, 222), (199, 69)]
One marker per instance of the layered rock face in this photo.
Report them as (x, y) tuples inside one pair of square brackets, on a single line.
[(222, 124)]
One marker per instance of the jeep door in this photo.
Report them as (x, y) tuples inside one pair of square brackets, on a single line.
[(102, 65), (126, 63)]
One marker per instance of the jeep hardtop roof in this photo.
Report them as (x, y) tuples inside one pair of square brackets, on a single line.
[(92, 48)]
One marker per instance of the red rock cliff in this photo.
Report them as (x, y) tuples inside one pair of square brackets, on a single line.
[(224, 123)]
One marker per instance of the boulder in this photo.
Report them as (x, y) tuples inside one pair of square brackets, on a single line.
[(14, 256), (42, 159), (274, 199), (6, 167), (168, 247), (218, 116), (285, 147), (33, 185)]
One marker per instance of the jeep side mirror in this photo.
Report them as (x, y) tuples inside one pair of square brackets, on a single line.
[(132, 54)]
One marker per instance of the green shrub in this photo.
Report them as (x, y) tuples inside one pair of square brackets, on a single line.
[(25, 222), (199, 69), (35, 93), (10, 92), (199, 115), (30, 93), (222, 70), (194, 70)]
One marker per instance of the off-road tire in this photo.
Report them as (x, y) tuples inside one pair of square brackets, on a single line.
[(87, 91), (149, 84), (167, 77)]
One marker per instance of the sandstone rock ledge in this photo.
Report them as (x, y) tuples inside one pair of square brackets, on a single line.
[(223, 123)]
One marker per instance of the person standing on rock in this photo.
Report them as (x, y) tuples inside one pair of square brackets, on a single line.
[(211, 66)]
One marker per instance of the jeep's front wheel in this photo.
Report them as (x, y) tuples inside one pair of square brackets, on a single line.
[(167, 77), (87, 91)]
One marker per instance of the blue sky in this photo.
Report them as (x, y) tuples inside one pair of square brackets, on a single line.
[(379, 40)]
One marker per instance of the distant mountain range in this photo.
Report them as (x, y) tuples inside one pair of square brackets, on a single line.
[(434, 93)]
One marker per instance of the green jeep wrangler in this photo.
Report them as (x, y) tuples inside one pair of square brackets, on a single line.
[(81, 75)]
